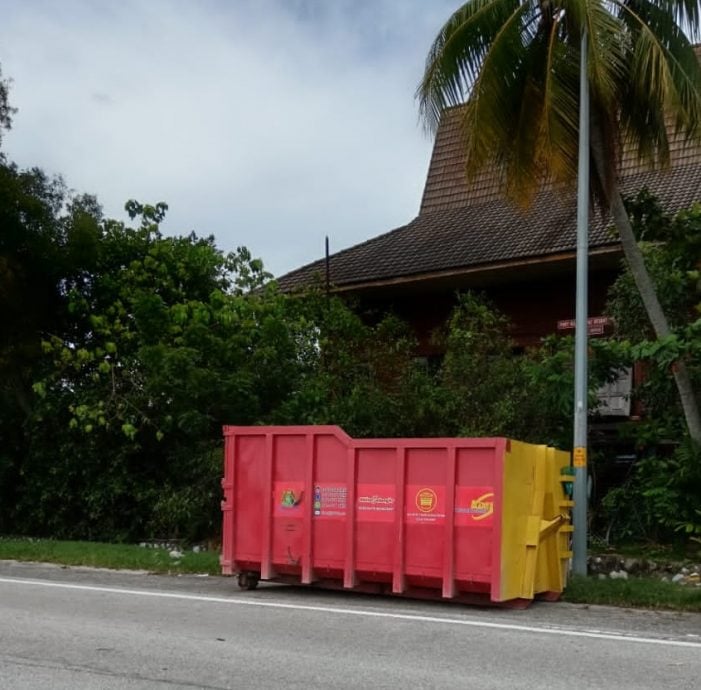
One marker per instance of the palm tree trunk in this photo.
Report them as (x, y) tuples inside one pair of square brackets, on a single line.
[(646, 288)]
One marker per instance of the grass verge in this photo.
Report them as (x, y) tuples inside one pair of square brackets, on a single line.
[(642, 592), (116, 556), (635, 592)]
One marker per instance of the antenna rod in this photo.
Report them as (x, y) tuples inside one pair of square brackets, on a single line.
[(328, 270)]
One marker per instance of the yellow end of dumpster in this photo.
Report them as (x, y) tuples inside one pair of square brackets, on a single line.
[(536, 522)]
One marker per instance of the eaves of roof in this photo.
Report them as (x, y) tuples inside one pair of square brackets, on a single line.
[(490, 234)]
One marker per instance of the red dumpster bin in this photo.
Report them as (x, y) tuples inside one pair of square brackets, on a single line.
[(454, 517)]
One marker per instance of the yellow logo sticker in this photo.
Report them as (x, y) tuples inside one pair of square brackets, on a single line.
[(426, 500), (482, 507)]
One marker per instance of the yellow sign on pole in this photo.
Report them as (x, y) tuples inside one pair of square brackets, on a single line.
[(580, 457)]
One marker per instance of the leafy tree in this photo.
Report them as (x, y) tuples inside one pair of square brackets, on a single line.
[(485, 384), (516, 63), (359, 373), (43, 241), (167, 341), (658, 500), (31, 263), (128, 351), (6, 111), (487, 390), (659, 497), (672, 249)]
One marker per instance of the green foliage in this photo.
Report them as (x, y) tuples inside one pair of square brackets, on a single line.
[(6, 110), (485, 384), (162, 340), (124, 353), (672, 253), (363, 375), (488, 390), (187, 506), (659, 500), (360, 375), (129, 350)]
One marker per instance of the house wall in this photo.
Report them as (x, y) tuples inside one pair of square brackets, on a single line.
[(533, 307)]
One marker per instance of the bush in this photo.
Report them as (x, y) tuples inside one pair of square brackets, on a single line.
[(659, 501)]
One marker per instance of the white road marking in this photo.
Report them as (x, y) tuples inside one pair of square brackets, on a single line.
[(547, 630)]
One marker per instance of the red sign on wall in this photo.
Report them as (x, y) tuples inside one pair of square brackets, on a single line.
[(595, 324)]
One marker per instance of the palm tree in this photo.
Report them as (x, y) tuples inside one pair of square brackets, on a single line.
[(514, 64)]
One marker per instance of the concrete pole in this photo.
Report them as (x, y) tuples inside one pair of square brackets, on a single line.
[(579, 456)]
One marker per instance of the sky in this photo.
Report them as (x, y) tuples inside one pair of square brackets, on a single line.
[(266, 123)]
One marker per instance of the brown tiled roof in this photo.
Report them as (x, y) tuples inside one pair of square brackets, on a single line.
[(446, 183), (489, 232), (447, 186)]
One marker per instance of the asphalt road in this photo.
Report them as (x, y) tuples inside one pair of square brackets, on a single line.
[(81, 628)]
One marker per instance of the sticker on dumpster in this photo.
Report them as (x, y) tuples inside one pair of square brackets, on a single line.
[(330, 501), (287, 499), (426, 500), (425, 504), (474, 505), (376, 502)]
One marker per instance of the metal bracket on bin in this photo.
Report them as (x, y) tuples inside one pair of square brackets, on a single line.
[(567, 479)]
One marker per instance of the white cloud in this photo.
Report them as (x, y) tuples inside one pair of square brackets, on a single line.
[(268, 123)]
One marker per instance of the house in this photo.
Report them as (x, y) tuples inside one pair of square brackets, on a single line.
[(468, 236)]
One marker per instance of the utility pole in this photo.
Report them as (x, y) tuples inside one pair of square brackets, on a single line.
[(579, 456)]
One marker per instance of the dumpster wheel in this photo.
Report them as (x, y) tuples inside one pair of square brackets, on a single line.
[(248, 580)]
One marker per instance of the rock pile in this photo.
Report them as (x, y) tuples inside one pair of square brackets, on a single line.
[(616, 567)]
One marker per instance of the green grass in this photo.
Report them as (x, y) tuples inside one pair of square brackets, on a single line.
[(643, 592), (634, 592), (116, 556)]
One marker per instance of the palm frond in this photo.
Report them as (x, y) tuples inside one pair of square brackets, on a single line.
[(663, 81), (542, 145), (686, 14), (497, 95), (606, 52), (560, 118), (514, 64), (457, 54)]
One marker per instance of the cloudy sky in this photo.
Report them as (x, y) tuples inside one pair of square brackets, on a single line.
[(268, 123)]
